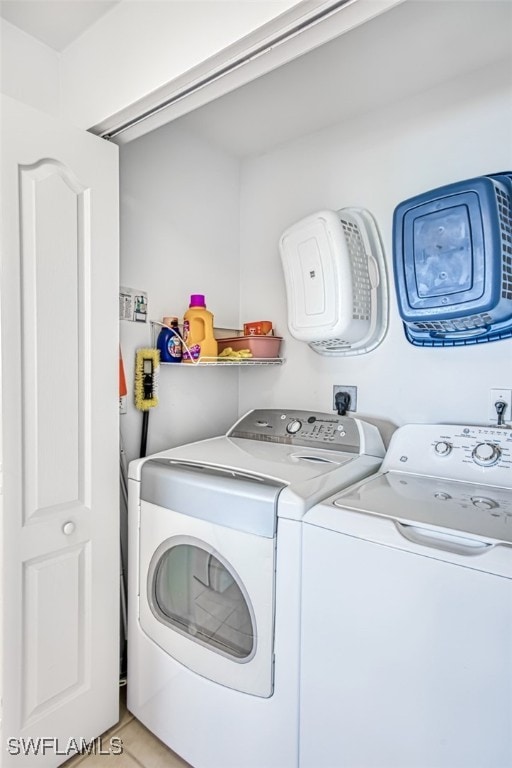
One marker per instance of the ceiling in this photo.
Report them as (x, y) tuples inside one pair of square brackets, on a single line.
[(54, 22), (360, 73)]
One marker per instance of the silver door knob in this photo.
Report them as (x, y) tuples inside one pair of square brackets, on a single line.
[(68, 528)]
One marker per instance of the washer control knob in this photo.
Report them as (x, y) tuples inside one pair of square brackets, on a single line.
[(482, 502), (442, 448), (293, 427), (486, 454)]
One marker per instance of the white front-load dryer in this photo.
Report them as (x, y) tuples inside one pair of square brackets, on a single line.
[(209, 571), (214, 581)]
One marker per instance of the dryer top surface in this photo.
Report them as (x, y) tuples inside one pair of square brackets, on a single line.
[(310, 453), (284, 445), (287, 464)]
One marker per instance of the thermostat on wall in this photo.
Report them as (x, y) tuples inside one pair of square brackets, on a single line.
[(336, 283)]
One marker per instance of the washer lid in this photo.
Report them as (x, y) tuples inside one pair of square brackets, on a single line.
[(448, 505)]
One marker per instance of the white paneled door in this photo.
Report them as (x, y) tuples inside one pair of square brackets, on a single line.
[(59, 438)]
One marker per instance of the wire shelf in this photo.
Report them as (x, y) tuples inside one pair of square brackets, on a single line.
[(209, 361)]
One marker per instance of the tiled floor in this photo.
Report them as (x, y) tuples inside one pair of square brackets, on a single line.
[(141, 749)]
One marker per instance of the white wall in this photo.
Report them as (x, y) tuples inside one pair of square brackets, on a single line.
[(180, 235), (450, 133), (172, 179), (29, 70)]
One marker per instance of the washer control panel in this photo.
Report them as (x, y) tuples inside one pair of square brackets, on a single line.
[(301, 428), (459, 452)]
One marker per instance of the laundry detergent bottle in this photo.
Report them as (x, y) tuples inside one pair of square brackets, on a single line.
[(169, 341), (198, 337)]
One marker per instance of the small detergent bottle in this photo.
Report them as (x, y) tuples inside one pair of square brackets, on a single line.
[(169, 341), (198, 331)]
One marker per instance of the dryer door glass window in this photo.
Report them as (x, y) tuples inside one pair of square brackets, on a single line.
[(196, 594)]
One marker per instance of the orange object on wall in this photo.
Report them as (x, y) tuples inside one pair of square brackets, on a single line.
[(258, 328), (123, 390)]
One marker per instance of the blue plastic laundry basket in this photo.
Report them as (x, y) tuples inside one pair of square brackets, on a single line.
[(452, 258)]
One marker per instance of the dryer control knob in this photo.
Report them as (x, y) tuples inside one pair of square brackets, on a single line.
[(486, 454), (442, 448), (293, 427)]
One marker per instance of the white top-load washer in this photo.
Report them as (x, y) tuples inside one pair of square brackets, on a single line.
[(406, 658), (214, 581)]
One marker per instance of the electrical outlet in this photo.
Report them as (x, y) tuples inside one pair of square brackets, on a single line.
[(352, 391), (500, 395)]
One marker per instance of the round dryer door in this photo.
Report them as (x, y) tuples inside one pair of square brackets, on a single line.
[(197, 594), (207, 569)]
